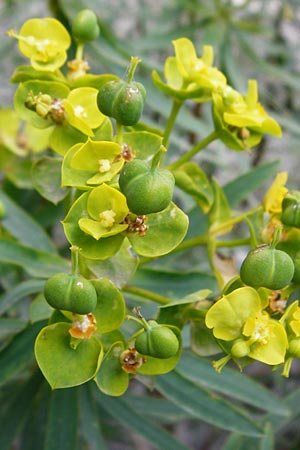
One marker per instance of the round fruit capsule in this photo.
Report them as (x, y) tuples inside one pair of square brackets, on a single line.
[(147, 190), (70, 293), (267, 267), (240, 349), (124, 101), (159, 342), (291, 209), (296, 277), (85, 27)]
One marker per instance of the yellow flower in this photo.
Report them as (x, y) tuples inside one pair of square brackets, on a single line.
[(241, 120), (239, 318), (44, 41), (273, 198), (193, 69), (188, 76)]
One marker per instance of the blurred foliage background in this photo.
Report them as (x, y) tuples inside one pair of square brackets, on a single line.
[(252, 39)]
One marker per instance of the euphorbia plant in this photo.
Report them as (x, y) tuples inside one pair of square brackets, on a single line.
[(110, 171)]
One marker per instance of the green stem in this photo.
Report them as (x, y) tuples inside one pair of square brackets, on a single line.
[(135, 319), (220, 363), (133, 65), (79, 52), (158, 157), (194, 150), (147, 294), (119, 132), (233, 242), (287, 367), (276, 237), (171, 120), (202, 240), (224, 225), (74, 260)]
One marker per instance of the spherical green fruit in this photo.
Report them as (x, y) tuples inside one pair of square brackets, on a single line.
[(267, 267), (123, 101), (147, 190), (291, 209), (296, 277), (85, 27), (70, 293), (240, 349), (159, 342), (106, 96)]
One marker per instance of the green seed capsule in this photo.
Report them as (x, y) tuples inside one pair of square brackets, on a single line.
[(70, 293), (296, 277), (240, 349), (159, 342), (147, 190), (291, 209), (85, 27), (267, 267), (122, 100)]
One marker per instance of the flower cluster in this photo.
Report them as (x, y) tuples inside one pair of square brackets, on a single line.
[(239, 120), (240, 320)]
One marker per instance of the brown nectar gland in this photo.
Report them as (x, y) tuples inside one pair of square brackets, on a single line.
[(131, 360), (137, 224)]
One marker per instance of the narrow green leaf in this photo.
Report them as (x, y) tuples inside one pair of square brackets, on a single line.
[(127, 416), (11, 326), (39, 309), (292, 402), (22, 226), (173, 284), (19, 353), (290, 79), (89, 418), (21, 290), (220, 210), (34, 428), (36, 263), (267, 442), (234, 442), (62, 421), (158, 409), (15, 413), (241, 187), (199, 402), (231, 383)]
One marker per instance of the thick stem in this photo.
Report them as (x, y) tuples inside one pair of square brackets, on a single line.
[(194, 150), (79, 52), (147, 294), (119, 133)]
